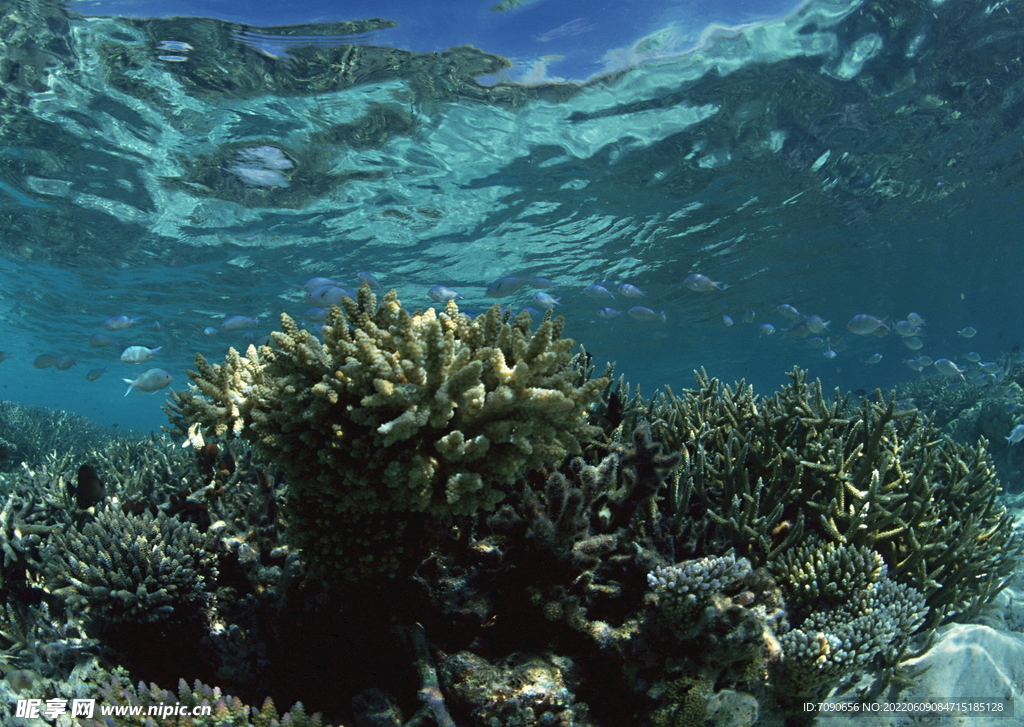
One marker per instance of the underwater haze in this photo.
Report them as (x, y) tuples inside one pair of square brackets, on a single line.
[(701, 167)]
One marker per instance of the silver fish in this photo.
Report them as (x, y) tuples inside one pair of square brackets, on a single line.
[(865, 325), (237, 323), (545, 300), (152, 380), (947, 368), (326, 295), (117, 323), (639, 313), (631, 291), (138, 354), (1016, 435), (368, 278), (442, 294), (504, 286), (598, 292), (702, 283)]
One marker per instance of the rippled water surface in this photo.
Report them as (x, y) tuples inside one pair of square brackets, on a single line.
[(847, 158)]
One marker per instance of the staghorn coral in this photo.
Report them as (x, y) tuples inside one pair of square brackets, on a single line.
[(760, 474), (396, 413), (132, 568)]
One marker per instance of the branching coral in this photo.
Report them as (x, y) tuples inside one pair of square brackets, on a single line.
[(132, 568), (846, 612), (223, 709), (396, 412), (760, 474)]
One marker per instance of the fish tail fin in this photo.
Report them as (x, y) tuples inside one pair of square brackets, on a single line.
[(663, 317), (131, 385)]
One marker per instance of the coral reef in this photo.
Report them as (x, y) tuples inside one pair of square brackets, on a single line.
[(709, 558), (796, 465), (395, 413), (846, 614), (135, 568), (28, 434)]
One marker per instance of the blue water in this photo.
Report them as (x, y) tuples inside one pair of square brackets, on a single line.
[(838, 157)]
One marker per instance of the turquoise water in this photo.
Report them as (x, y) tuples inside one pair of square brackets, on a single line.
[(849, 158)]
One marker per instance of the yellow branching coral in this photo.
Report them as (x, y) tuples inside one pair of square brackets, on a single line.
[(430, 412)]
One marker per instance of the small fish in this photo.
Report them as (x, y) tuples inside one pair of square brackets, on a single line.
[(865, 325), (237, 323), (873, 359), (64, 363), (155, 325), (947, 368), (210, 331), (326, 295), (1016, 435), (119, 323), (598, 292), (991, 368), (98, 340), (766, 329), (973, 356), (925, 360), (968, 332), (639, 313), (138, 354), (816, 325), (702, 283), (503, 287), (317, 282), (788, 311), (816, 341), (631, 291), (46, 360), (906, 328), (90, 490), (540, 283), (442, 294), (368, 278), (914, 364), (749, 316), (608, 313), (915, 319), (152, 380), (727, 320), (912, 342), (94, 374), (315, 315), (828, 353), (545, 300)]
